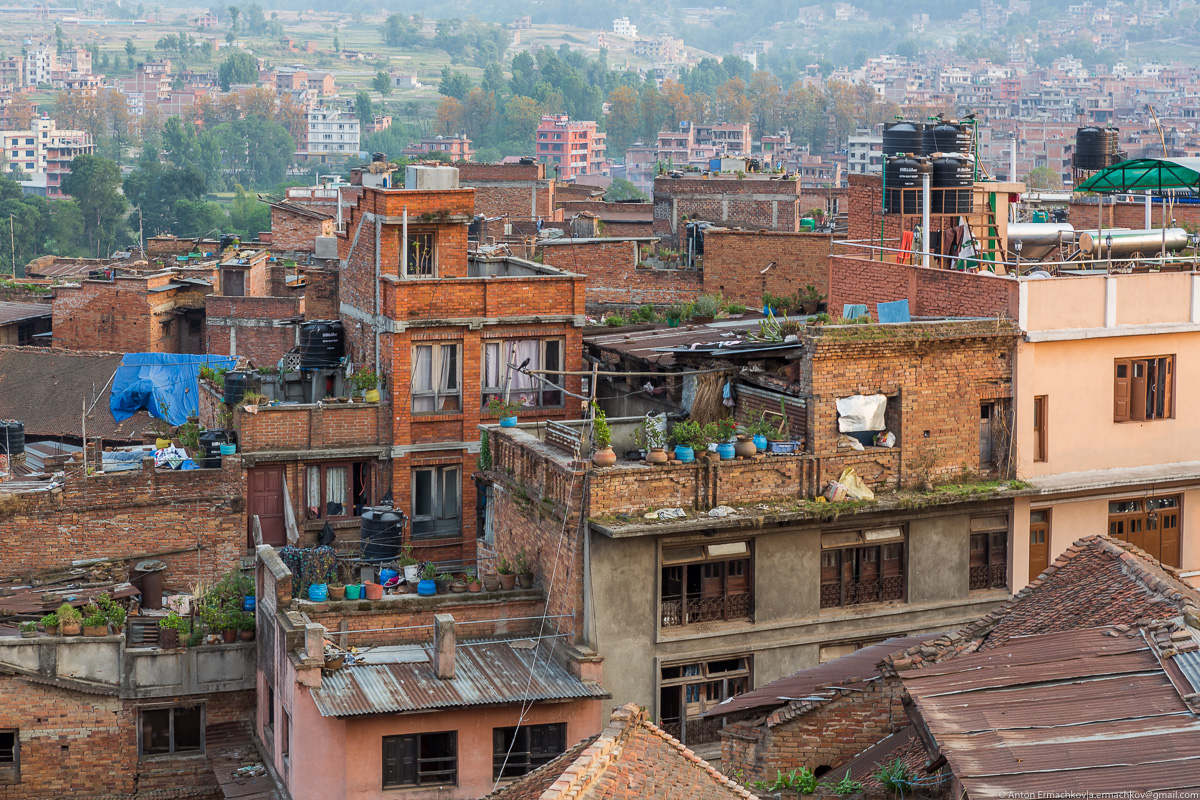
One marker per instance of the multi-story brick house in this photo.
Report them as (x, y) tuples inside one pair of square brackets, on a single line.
[(519, 192), (571, 148), (704, 606)]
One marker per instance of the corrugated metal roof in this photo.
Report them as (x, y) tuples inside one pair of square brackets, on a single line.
[(17, 312), (1059, 712), (485, 673), (852, 666)]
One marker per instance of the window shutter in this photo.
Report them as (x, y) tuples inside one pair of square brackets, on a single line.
[(408, 759), (1121, 384), (1168, 365), (391, 760), (1137, 389)]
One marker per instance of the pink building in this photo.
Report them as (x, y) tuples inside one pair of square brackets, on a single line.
[(458, 148), (575, 148)]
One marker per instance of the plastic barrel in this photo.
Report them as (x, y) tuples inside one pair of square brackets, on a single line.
[(322, 344), (237, 384), (12, 437), (382, 533)]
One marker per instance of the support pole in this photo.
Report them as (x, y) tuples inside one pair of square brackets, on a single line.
[(925, 234), (1147, 203)]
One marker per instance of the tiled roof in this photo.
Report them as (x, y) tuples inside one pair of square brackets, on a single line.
[(631, 759), (17, 312), (48, 390), (1097, 581)]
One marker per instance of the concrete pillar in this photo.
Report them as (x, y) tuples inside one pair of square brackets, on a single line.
[(443, 646)]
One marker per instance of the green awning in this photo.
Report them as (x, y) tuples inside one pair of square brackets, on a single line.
[(1145, 174)]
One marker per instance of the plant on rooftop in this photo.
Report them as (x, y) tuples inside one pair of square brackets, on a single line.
[(27, 629), (674, 312), (896, 777), (690, 433), (649, 435), (602, 441), (502, 408), (484, 460), (725, 429), (708, 305), (189, 435), (50, 623), (845, 786), (255, 399), (735, 309), (615, 321), (364, 380)]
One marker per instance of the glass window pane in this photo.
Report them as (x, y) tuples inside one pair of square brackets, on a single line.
[(422, 496), (156, 731), (449, 367), (336, 499), (312, 491), (450, 494), (187, 729), (422, 368)]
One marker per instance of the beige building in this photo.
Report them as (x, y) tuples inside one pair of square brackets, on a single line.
[(32, 151), (1126, 465)]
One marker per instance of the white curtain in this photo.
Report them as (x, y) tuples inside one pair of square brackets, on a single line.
[(335, 491), (491, 366), (312, 491), (448, 378), (522, 384), (422, 380)]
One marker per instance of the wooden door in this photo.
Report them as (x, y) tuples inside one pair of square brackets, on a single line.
[(1168, 526), (1039, 542), (986, 412), (266, 501)]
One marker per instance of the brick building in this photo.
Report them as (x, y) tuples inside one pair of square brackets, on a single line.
[(158, 312), (743, 265), (570, 148), (617, 276), (455, 148), (255, 313), (515, 191), (757, 202), (295, 228)]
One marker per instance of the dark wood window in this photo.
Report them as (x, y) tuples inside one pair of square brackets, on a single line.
[(1039, 542), (10, 756), (1144, 389), (989, 553), (423, 759), (269, 725), (285, 734), (862, 567), (1151, 523), (337, 491), (706, 583), (516, 751), (165, 731), (422, 255), (1040, 408), (436, 502), (687, 691)]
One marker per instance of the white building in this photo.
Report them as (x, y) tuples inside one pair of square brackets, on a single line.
[(623, 27), (39, 64), (865, 154), (332, 132), (44, 152)]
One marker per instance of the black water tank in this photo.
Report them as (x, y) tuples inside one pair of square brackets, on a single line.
[(947, 137), (904, 172), (952, 180), (1092, 147), (237, 384), (382, 533), (902, 137), (227, 241), (12, 437), (210, 447), (322, 344)]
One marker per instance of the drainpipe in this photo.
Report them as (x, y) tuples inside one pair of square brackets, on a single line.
[(925, 234), (378, 280)]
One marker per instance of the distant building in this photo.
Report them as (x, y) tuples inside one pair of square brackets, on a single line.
[(205, 20), (865, 154), (378, 124), (457, 147), (623, 27), (575, 148), (332, 133), (44, 150), (39, 63), (405, 80)]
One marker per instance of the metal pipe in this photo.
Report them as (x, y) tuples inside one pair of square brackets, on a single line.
[(925, 234), (1147, 203)]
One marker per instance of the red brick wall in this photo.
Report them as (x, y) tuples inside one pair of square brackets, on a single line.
[(119, 316), (516, 191), (478, 616), (313, 427), (264, 344), (734, 262), (1084, 216), (614, 277), (828, 734), (132, 513), (321, 294), (752, 203), (865, 198), (295, 231), (930, 292)]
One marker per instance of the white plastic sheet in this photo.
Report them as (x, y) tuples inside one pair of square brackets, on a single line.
[(861, 412)]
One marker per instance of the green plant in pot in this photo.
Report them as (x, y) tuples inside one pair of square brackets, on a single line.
[(365, 384), (652, 437), (707, 307), (245, 626), (524, 570), (810, 299), (603, 455), (172, 630), (70, 620), (50, 623), (506, 410), (689, 437), (508, 580), (95, 622), (28, 629), (443, 581), (759, 430), (674, 315)]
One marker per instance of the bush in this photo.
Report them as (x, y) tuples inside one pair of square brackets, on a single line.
[(896, 778), (615, 321)]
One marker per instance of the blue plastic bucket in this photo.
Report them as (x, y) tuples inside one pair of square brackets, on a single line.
[(761, 443), (248, 603), (318, 592), (426, 588), (508, 422), (228, 449), (726, 451), (684, 454)]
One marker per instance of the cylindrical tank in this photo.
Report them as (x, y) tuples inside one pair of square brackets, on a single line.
[(1147, 241), (238, 383), (904, 172), (322, 344), (903, 137), (382, 533), (152, 591), (1038, 239), (953, 177), (210, 447), (12, 437), (947, 137)]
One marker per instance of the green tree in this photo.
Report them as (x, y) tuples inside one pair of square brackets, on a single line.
[(1043, 178), (94, 183), (363, 108), (382, 83), (255, 151), (130, 48), (621, 189), (624, 120), (247, 214), (239, 67), (454, 83)]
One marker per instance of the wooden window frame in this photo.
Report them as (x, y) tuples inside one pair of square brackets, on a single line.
[(689, 608), (531, 747), (438, 393), (171, 751), (364, 468), (394, 773), (1144, 522), (415, 269), (853, 551), (741, 679), (1131, 400), (1041, 407), (437, 485), (992, 573), (507, 348), (10, 758)]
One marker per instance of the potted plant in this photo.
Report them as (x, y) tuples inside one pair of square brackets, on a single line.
[(602, 441), (524, 570), (246, 626), (230, 620), (409, 565), (780, 439), (70, 620), (759, 430), (725, 431), (116, 617), (474, 585), (365, 384), (491, 581), (652, 437), (50, 623), (428, 585), (442, 581), (674, 314), (373, 591), (171, 629), (507, 579), (459, 584), (95, 623), (506, 410), (353, 591), (707, 307), (689, 436), (337, 591), (811, 299), (28, 629)]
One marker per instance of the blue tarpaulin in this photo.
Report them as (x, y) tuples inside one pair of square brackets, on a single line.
[(158, 381)]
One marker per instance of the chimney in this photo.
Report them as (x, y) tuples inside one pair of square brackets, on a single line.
[(443, 646)]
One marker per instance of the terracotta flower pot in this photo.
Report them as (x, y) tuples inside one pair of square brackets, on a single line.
[(246, 636), (168, 638), (657, 457), (71, 628), (229, 635), (491, 582), (525, 579), (507, 582), (337, 592), (745, 447), (458, 587), (52, 630), (95, 630), (604, 458), (475, 586), (374, 591)]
